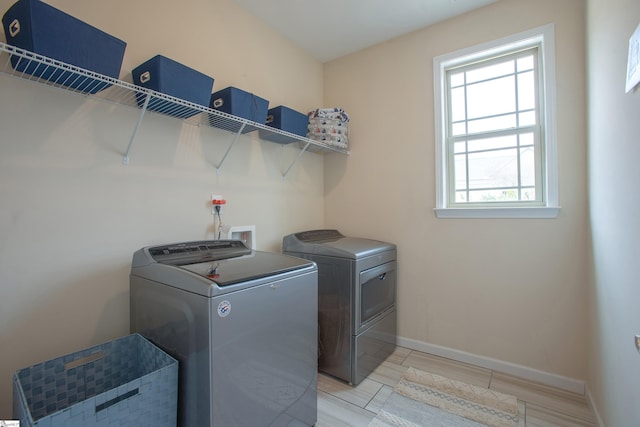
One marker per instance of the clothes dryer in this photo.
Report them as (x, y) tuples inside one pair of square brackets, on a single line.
[(356, 300)]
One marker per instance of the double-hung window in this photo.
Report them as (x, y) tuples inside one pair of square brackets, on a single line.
[(495, 129)]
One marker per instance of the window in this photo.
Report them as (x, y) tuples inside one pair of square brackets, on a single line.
[(495, 129)]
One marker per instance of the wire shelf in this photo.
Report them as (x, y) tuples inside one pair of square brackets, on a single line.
[(27, 65)]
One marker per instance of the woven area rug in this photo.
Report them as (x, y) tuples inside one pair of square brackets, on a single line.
[(424, 399)]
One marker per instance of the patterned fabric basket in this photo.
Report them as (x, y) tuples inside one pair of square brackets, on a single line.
[(128, 381), (330, 126)]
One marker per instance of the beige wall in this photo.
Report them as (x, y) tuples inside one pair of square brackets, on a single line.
[(72, 214), (614, 364), (512, 290)]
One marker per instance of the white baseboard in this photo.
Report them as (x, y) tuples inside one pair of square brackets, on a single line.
[(520, 371), (593, 407)]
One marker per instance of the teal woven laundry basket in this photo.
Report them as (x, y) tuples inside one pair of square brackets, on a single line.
[(128, 381)]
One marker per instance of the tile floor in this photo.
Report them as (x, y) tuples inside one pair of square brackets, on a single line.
[(341, 405)]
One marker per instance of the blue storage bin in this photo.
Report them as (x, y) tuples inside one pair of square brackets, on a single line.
[(170, 77), (42, 29), (128, 381), (286, 119), (239, 103)]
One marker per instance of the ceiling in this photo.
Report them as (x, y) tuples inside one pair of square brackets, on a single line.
[(329, 29)]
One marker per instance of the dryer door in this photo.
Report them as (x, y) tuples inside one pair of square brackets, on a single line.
[(375, 294)]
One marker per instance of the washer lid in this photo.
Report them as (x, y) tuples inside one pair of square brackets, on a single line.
[(255, 265), (223, 262), (333, 243)]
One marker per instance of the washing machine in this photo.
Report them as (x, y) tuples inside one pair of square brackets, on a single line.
[(356, 300), (242, 324)]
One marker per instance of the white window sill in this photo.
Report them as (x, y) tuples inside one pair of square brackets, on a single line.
[(506, 212)]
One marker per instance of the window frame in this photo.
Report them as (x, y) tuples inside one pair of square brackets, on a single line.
[(543, 39)]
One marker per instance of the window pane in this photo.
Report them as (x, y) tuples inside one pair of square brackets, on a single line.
[(525, 63), (526, 91), (493, 123), (460, 171), (484, 196), (461, 197), (528, 194), (458, 104), (491, 98), (526, 139), (458, 128), (460, 147), (527, 167), (527, 118), (493, 143), (493, 169), (491, 71), (457, 79)]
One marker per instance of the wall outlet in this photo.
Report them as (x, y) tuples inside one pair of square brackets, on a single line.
[(217, 200)]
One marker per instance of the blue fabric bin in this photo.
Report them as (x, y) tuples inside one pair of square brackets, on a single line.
[(128, 381), (241, 104), (42, 29), (172, 78), (286, 119)]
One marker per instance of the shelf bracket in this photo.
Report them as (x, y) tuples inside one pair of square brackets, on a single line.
[(286, 172), (125, 159), (235, 138)]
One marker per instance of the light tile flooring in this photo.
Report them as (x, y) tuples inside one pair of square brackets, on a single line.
[(341, 405)]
